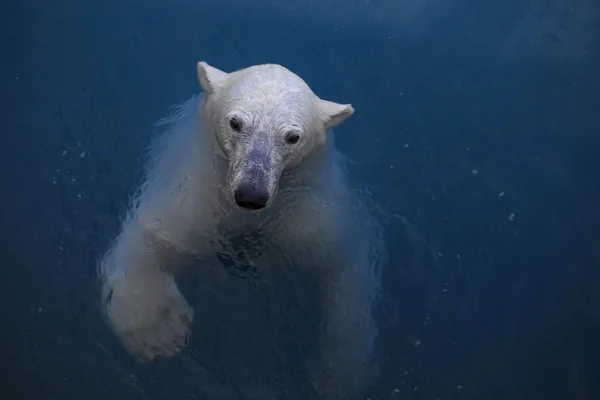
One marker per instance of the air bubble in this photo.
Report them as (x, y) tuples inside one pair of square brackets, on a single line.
[(157, 224)]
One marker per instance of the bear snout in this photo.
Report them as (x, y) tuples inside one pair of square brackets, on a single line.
[(253, 197)]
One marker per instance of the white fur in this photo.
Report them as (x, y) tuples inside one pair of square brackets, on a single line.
[(185, 206)]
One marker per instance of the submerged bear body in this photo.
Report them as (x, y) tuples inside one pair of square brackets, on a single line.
[(246, 184)]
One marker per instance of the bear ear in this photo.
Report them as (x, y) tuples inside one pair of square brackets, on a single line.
[(333, 114), (210, 78)]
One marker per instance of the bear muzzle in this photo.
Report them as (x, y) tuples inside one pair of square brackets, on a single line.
[(251, 196), (255, 173)]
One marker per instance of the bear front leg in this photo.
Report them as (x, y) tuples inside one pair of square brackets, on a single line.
[(140, 298), (350, 289), (343, 248)]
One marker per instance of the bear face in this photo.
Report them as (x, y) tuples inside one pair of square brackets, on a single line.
[(266, 120)]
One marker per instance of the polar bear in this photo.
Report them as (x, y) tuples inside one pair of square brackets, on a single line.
[(254, 152)]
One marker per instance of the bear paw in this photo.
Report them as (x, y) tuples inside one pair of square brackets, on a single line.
[(151, 322)]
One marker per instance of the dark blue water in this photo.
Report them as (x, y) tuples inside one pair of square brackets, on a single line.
[(477, 129)]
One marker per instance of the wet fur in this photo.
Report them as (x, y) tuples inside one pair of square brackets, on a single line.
[(184, 207)]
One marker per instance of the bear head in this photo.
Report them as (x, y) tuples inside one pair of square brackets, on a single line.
[(266, 120)]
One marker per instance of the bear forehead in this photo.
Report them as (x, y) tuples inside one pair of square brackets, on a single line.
[(271, 72), (268, 90), (269, 80), (269, 95)]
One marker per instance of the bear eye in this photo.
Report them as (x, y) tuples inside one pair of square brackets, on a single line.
[(235, 124), (292, 137)]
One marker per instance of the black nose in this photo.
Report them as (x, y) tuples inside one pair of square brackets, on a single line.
[(248, 196)]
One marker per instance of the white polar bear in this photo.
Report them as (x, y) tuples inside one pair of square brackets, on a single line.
[(254, 152)]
